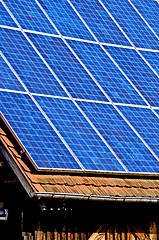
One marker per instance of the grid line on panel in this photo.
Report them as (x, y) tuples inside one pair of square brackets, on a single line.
[(80, 40), (147, 50), (13, 91), (12, 28), (143, 19), (44, 114)]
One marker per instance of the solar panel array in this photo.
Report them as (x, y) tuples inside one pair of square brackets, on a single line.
[(79, 82)]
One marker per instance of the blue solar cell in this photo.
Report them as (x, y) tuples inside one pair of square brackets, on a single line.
[(5, 18), (65, 19), (78, 133), (35, 133), (106, 73), (149, 10), (29, 15), (125, 143), (7, 78), (152, 58), (67, 67), (138, 72), (147, 125), (28, 65), (100, 22), (133, 25)]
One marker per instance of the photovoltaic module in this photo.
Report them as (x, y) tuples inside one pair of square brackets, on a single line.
[(79, 83)]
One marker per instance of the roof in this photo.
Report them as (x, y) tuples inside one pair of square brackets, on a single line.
[(63, 185)]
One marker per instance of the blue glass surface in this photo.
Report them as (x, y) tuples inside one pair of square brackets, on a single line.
[(29, 15), (67, 67), (152, 58), (35, 133), (132, 24), (27, 64), (150, 11), (125, 143), (65, 19), (138, 72), (99, 21), (7, 78), (5, 18), (147, 125), (79, 135), (106, 73)]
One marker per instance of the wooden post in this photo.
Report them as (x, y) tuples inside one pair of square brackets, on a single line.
[(130, 235), (153, 231), (49, 236), (110, 234), (123, 234), (55, 234), (76, 236), (69, 234), (63, 233), (83, 236), (116, 233), (38, 235)]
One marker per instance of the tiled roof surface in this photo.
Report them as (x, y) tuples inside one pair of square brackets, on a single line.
[(114, 186)]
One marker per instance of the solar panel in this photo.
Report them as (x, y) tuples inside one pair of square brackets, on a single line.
[(138, 72), (5, 18), (36, 134), (65, 19), (123, 140), (29, 16), (146, 123), (99, 21), (67, 68), (27, 64), (108, 75), (132, 23), (7, 78), (149, 10), (79, 83), (152, 58)]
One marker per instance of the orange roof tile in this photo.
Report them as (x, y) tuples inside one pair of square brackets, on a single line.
[(102, 186)]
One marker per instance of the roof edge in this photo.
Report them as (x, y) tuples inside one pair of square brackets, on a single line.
[(95, 197)]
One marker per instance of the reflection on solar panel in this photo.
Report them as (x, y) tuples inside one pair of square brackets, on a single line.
[(79, 83)]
